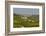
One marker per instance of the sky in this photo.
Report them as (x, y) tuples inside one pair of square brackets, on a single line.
[(26, 11)]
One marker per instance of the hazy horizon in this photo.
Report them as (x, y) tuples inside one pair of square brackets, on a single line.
[(26, 11)]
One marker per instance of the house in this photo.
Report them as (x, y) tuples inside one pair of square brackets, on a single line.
[(23, 17)]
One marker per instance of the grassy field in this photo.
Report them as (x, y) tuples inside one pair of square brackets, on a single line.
[(25, 21)]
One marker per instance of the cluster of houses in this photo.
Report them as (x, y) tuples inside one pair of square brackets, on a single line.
[(26, 18)]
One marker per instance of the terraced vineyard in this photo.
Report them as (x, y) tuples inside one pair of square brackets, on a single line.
[(26, 21)]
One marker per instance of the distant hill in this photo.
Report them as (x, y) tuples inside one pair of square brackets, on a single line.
[(25, 15)]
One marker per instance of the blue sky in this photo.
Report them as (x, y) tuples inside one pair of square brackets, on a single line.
[(26, 11)]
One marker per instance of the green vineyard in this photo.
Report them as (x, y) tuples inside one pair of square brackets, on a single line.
[(25, 21)]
